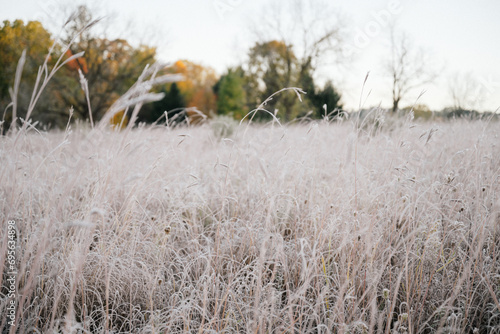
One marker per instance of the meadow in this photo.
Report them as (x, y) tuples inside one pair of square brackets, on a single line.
[(377, 225)]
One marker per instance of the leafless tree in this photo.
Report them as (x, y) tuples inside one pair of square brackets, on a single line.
[(408, 66), (313, 27), (465, 91)]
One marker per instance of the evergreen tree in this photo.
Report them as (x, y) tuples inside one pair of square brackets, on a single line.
[(172, 103), (329, 96), (230, 94)]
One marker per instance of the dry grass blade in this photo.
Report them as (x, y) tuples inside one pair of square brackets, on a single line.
[(14, 92)]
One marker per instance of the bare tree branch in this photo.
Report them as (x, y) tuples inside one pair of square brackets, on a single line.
[(313, 27), (465, 91), (408, 67)]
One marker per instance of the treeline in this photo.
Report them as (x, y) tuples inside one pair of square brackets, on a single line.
[(422, 112), (88, 85)]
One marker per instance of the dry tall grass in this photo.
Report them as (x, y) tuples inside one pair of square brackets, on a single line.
[(314, 228)]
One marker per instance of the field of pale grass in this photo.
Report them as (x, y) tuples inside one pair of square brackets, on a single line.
[(322, 227)]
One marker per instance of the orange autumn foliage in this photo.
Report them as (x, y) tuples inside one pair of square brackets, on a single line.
[(76, 64), (197, 85)]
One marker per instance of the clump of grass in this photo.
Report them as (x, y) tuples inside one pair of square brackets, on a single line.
[(223, 126)]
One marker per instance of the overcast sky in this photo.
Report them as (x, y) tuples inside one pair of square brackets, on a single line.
[(460, 35)]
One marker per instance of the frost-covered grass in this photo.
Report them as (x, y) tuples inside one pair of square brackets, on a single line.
[(313, 228)]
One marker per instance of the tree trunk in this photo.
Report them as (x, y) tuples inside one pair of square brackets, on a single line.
[(395, 104)]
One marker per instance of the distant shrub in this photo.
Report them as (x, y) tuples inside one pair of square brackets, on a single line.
[(223, 126)]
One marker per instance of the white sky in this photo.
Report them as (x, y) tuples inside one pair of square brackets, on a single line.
[(461, 35)]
